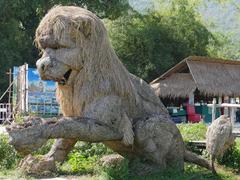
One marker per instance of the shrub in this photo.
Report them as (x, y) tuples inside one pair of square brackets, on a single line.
[(231, 157), (8, 156), (45, 148), (80, 163), (114, 171), (91, 149), (84, 156)]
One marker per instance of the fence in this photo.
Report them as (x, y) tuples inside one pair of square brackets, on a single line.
[(5, 112), (229, 109)]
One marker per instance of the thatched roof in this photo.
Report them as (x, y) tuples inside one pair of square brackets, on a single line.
[(210, 76), (176, 85)]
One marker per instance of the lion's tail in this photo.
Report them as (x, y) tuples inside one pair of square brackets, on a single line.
[(212, 164), (195, 159)]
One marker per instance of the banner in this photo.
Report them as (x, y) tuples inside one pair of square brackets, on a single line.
[(38, 95)]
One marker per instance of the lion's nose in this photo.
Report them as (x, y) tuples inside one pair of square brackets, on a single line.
[(42, 64), (42, 67)]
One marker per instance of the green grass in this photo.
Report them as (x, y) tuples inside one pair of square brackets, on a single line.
[(191, 132), (191, 172), (14, 174)]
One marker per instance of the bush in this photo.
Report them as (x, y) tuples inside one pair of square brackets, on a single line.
[(84, 156), (231, 157), (45, 148), (8, 156), (115, 171), (91, 149)]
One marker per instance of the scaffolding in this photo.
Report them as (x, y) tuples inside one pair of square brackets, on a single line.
[(6, 110)]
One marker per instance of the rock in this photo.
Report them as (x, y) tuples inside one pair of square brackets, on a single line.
[(111, 160), (39, 166)]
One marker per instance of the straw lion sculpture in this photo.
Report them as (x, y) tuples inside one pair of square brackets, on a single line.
[(100, 100)]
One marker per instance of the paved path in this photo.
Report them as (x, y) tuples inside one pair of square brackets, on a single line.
[(83, 177), (86, 177)]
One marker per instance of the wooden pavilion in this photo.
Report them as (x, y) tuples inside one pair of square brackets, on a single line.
[(200, 76)]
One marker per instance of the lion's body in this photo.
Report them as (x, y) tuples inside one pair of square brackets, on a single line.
[(93, 83), (102, 88)]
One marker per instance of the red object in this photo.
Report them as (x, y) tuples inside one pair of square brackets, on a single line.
[(192, 116), (190, 109)]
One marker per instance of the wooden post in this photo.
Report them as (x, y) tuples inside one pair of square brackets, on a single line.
[(191, 99), (9, 115), (219, 100), (233, 112), (214, 109), (26, 86), (226, 109), (10, 90), (219, 103)]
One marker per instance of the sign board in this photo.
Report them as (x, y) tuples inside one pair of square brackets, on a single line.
[(33, 95)]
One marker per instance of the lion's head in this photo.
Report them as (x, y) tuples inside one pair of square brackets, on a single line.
[(77, 54), (66, 37)]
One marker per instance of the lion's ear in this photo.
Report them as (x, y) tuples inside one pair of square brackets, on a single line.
[(85, 27)]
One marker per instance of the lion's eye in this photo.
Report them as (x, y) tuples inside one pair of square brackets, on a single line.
[(58, 46)]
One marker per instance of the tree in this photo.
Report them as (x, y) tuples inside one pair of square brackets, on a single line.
[(151, 43), (18, 22)]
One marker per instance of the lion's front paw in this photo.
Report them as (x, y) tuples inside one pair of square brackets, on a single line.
[(128, 136), (127, 140), (38, 166)]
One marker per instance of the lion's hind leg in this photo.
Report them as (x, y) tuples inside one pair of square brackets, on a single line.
[(160, 141)]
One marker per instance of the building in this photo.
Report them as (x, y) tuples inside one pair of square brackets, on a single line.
[(198, 80)]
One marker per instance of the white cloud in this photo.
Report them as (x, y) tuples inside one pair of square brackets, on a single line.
[(35, 72)]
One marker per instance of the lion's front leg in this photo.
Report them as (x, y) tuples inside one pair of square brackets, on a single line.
[(47, 163), (25, 138), (60, 149), (111, 111)]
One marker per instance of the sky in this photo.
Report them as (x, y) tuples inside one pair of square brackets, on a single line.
[(224, 18)]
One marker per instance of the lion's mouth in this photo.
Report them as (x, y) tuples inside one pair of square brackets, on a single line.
[(65, 78)]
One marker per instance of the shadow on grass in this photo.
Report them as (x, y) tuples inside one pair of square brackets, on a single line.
[(191, 172)]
